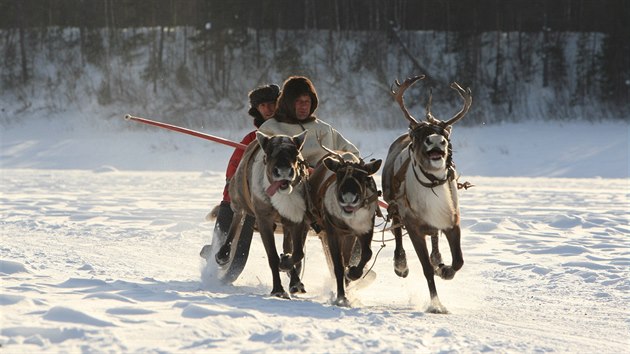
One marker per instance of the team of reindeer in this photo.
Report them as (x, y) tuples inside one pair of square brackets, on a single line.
[(340, 195)]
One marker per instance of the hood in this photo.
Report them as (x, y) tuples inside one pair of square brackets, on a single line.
[(293, 88)]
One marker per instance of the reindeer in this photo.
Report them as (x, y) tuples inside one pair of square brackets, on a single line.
[(419, 183), (344, 197), (270, 184)]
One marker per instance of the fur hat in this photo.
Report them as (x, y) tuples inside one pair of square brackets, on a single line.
[(264, 94), (260, 95), (294, 87)]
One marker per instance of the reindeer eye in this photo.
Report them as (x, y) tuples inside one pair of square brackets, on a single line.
[(427, 141), (443, 142)]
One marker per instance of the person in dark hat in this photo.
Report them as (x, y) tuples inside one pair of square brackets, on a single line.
[(295, 113), (262, 105)]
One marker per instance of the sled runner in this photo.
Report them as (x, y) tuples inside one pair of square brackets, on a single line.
[(239, 252)]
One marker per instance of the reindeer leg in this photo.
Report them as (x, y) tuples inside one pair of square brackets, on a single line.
[(222, 257), (296, 250), (349, 255), (335, 253), (266, 232), (355, 273), (296, 285), (454, 237), (436, 256), (287, 248), (347, 244), (400, 258), (420, 245)]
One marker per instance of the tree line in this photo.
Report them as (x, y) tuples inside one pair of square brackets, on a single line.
[(439, 15), (198, 53)]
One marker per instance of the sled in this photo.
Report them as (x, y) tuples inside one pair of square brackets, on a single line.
[(239, 253)]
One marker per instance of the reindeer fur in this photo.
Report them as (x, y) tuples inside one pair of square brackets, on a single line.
[(273, 160), (419, 183), (347, 217)]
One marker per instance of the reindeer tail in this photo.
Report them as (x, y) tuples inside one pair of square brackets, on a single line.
[(212, 215)]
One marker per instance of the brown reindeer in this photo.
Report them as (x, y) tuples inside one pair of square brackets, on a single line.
[(419, 183), (270, 184), (345, 197)]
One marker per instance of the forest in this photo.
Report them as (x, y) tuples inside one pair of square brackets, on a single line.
[(537, 59), (439, 15)]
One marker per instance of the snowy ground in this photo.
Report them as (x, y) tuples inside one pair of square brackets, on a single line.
[(96, 257)]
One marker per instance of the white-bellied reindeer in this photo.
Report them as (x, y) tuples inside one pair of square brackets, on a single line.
[(419, 183), (345, 197), (270, 184)]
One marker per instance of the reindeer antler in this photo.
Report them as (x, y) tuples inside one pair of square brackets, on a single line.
[(319, 141), (398, 95), (467, 96), (430, 118)]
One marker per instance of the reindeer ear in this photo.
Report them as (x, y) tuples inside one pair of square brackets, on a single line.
[(373, 166), (447, 129), (331, 163), (262, 139), (299, 139)]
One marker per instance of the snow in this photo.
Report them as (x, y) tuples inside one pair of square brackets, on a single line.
[(102, 226), (527, 149)]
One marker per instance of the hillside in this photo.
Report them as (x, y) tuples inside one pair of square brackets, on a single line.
[(200, 77)]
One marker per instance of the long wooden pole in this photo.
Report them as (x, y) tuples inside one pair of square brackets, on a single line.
[(203, 136), (187, 131)]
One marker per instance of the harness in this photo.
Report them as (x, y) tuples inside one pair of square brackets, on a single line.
[(244, 181), (399, 177), (434, 181), (348, 170), (302, 175)]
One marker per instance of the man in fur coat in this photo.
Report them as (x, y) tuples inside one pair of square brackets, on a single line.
[(295, 113)]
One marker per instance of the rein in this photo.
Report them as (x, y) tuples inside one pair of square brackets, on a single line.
[(302, 175), (302, 169), (367, 199), (434, 181), (399, 177)]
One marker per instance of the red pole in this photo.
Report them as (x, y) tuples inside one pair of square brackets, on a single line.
[(203, 136), (187, 131)]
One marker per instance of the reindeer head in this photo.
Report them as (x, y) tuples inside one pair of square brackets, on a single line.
[(355, 185), (430, 142), (284, 164)]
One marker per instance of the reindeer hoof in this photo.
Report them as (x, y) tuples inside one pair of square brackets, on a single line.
[(402, 274), (223, 256), (342, 302), (436, 307), (281, 294), (446, 272), (297, 288), (400, 264), (285, 265), (354, 273)]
